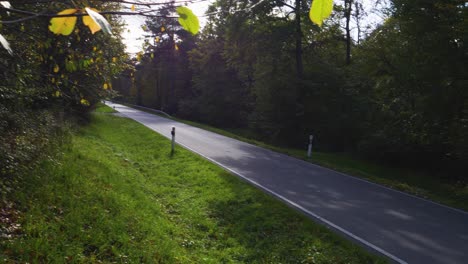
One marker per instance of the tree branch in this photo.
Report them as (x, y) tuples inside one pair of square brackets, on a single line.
[(43, 14)]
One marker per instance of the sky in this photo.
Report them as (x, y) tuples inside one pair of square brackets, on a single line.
[(132, 37)]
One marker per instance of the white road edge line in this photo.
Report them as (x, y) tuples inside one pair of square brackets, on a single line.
[(341, 173), (327, 222), (386, 187)]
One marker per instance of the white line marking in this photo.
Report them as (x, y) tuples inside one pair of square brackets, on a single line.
[(385, 187), (343, 174), (374, 247), (327, 222)]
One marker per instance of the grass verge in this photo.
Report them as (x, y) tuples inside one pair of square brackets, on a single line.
[(422, 184), (116, 194), (102, 108)]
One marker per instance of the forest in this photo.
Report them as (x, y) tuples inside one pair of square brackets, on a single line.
[(381, 85), (395, 92)]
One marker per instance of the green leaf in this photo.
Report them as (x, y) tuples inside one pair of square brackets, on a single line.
[(188, 20), (5, 44), (320, 10), (100, 20)]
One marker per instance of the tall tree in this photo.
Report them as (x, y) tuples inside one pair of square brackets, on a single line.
[(417, 64)]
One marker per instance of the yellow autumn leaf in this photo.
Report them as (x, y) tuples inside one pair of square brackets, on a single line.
[(84, 102), (63, 25), (88, 21), (56, 68), (157, 39), (133, 8), (57, 94), (114, 59), (163, 29), (105, 86), (152, 55), (176, 47)]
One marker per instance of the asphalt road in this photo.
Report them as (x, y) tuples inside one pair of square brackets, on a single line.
[(402, 227)]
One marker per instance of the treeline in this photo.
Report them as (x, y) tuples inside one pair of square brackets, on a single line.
[(397, 93), (49, 82)]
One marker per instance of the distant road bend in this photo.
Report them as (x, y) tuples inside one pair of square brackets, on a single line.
[(402, 227)]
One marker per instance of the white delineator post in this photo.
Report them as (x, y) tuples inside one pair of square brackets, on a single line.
[(309, 149), (173, 140)]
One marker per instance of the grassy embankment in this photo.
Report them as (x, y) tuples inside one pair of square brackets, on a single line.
[(421, 183), (116, 195)]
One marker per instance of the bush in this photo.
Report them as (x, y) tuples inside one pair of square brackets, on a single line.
[(26, 136)]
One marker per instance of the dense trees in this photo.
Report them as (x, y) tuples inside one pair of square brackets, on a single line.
[(163, 68), (49, 78), (397, 92), (416, 64)]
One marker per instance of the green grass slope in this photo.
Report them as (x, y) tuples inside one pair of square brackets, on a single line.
[(116, 195)]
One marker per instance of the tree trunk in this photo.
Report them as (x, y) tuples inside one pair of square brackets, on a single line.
[(299, 64), (357, 16), (348, 9)]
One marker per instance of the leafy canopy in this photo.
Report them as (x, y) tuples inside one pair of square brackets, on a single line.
[(65, 25)]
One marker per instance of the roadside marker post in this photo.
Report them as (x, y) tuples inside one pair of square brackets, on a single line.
[(173, 140), (309, 149)]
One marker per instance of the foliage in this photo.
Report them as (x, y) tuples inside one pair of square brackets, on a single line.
[(162, 70), (396, 95), (416, 67), (48, 79), (25, 138), (220, 97), (63, 23)]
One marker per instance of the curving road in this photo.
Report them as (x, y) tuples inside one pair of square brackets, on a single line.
[(402, 227)]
